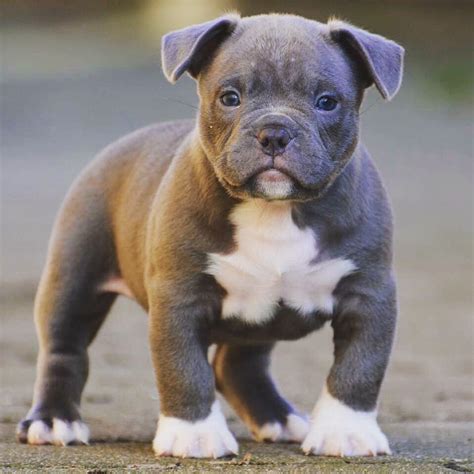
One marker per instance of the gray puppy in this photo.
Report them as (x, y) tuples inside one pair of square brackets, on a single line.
[(259, 222)]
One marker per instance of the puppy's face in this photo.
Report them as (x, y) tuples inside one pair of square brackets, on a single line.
[(280, 97), (279, 109)]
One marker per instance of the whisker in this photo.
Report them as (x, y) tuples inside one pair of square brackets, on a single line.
[(375, 102), (172, 99)]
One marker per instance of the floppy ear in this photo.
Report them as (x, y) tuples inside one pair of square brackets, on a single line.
[(382, 58), (188, 49)]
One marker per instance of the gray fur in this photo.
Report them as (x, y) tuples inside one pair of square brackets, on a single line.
[(383, 58), (152, 207), (187, 49)]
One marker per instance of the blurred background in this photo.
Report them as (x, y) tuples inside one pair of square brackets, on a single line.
[(77, 75)]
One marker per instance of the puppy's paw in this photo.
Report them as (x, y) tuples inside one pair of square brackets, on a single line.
[(208, 438), (294, 430), (53, 431), (337, 430)]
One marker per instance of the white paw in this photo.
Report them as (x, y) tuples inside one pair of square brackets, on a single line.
[(337, 430), (295, 430), (62, 432), (208, 438)]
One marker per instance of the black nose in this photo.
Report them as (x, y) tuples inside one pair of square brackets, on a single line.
[(274, 140)]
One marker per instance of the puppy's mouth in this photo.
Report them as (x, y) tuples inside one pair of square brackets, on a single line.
[(268, 183), (271, 184), (272, 176)]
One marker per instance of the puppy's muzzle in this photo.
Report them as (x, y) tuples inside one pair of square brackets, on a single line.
[(274, 132)]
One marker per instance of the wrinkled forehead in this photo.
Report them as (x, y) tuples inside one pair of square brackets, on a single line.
[(289, 51)]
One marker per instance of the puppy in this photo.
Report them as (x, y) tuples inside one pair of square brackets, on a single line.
[(260, 221)]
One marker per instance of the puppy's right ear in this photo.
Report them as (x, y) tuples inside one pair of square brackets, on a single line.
[(188, 49), (382, 58)]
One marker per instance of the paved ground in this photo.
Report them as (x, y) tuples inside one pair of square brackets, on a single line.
[(133, 457), (54, 120)]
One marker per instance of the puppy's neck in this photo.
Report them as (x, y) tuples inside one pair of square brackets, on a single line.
[(207, 192)]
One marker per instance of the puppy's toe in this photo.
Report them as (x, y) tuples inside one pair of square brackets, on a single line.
[(338, 430), (65, 432), (332, 442), (53, 431), (22, 431), (39, 432), (271, 431), (208, 438), (296, 428), (293, 431)]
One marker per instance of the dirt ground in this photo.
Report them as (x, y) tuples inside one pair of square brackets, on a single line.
[(54, 120)]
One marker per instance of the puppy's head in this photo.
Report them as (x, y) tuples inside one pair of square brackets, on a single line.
[(280, 97)]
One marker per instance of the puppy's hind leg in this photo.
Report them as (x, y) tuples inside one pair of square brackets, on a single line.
[(68, 313), (242, 376)]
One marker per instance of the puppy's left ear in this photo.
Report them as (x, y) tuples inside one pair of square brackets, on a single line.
[(188, 49), (382, 58)]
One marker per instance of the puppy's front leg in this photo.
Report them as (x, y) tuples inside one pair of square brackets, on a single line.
[(344, 419), (191, 423)]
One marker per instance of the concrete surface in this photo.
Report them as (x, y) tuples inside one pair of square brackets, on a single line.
[(70, 88), (132, 457)]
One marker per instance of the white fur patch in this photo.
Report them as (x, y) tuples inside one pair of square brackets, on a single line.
[(208, 438), (338, 430), (295, 430), (274, 185), (116, 285), (276, 190), (272, 262), (61, 434), (268, 432)]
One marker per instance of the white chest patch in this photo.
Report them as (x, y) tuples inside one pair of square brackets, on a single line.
[(272, 263)]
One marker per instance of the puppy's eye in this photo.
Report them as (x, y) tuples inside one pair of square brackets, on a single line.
[(230, 99), (326, 103)]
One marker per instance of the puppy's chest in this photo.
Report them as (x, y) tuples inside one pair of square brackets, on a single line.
[(273, 264)]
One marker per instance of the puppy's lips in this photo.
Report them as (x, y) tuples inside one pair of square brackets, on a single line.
[(273, 176), (268, 176)]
